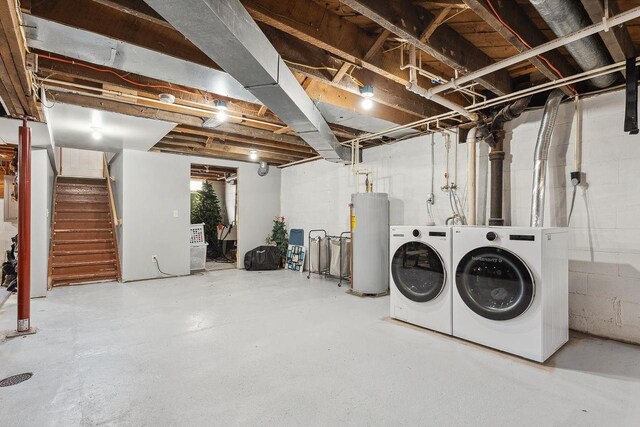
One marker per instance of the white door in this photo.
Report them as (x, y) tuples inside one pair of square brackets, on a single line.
[(81, 163)]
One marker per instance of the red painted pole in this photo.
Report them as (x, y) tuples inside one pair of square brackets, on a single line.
[(24, 228)]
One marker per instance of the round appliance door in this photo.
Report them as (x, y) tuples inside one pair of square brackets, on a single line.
[(418, 271), (495, 283)]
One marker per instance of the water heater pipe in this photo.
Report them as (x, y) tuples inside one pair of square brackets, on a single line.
[(471, 174)]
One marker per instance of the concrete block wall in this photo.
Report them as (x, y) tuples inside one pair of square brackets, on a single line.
[(604, 232), (604, 277)]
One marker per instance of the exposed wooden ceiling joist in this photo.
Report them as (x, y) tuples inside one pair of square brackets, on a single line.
[(252, 138), (133, 29), (15, 82), (617, 39), (508, 17), (326, 30), (407, 21), (310, 60)]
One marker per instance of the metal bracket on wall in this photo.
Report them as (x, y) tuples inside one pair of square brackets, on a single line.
[(631, 102)]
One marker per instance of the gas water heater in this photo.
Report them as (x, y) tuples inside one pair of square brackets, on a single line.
[(370, 242)]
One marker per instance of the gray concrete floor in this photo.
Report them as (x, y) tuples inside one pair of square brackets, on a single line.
[(273, 348)]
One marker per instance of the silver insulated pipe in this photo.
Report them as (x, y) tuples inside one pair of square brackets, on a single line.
[(567, 16), (540, 157)]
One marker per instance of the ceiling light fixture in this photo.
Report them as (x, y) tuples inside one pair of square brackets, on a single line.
[(221, 106), (167, 98), (253, 155), (367, 95)]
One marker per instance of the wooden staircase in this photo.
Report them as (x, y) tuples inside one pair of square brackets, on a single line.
[(83, 241)]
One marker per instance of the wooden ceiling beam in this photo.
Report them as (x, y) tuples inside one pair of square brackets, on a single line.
[(15, 79), (407, 21), (49, 67), (222, 147), (133, 29), (254, 145), (617, 39), (324, 29), (305, 59), (215, 154), (513, 17), (440, 3), (434, 24), (225, 131)]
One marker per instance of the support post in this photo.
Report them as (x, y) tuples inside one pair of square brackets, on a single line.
[(24, 230)]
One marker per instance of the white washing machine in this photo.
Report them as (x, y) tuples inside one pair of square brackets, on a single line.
[(511, 289), (420, 276)]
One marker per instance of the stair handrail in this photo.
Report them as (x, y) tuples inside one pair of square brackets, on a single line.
[(114, 214), (112, 203)]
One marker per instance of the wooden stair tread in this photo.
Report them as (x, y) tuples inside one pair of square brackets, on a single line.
[(83, 252), (102, 274), (55, 242), (82, 230), (66, 264), (68, 210), (82, 205), (81, 220)]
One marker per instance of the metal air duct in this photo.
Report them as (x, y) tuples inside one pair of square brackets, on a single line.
[(540, 158), (227, 34), (567, 16)]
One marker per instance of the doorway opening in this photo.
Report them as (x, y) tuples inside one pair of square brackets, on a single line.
[(214, 202)]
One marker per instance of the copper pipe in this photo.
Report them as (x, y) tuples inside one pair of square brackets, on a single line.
[(24, 228)]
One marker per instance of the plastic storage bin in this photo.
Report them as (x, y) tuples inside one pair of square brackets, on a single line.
[(198, 256)]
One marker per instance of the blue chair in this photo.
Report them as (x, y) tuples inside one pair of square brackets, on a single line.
[(296, 236)]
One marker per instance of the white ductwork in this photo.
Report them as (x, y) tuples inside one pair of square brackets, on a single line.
[(227, 34), (541, 154), (566, 17)]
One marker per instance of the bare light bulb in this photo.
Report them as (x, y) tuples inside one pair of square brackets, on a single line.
[(367, 103), (221, 115), (253, 155)]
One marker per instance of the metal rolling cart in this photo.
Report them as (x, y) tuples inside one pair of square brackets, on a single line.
[(343, 240)]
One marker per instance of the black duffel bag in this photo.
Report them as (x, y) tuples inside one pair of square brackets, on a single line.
[(262, 258)]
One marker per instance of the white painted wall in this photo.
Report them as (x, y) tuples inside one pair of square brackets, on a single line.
[(155, 214), (151, 186), (316, 195), (41, 196), (605, 233)]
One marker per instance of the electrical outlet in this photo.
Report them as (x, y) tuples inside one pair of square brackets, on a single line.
[(154, 258)]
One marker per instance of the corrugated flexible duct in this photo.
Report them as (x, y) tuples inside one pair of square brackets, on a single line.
[(567, 16), (541, 154)]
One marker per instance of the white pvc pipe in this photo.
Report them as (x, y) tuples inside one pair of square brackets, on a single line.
[(455, 161), (471, 175), (619, 66), (427, 93), (554, 44), (447, 146), (577, 124)]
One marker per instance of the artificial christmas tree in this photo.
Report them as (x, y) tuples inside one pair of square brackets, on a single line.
[(205, 209)]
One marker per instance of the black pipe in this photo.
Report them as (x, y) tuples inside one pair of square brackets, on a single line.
[(497, 155)]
